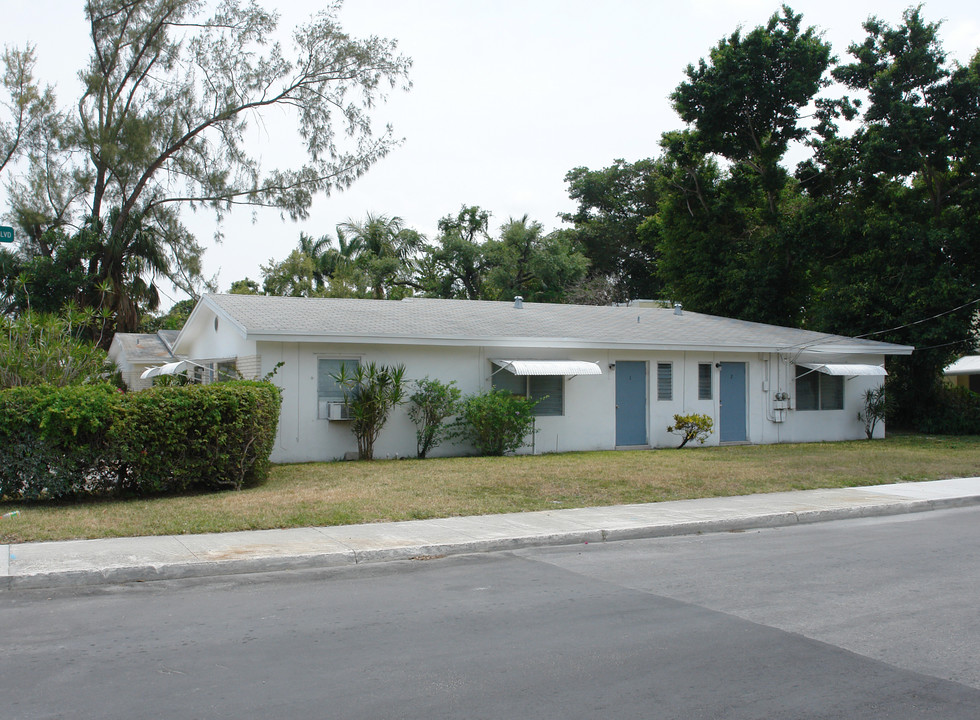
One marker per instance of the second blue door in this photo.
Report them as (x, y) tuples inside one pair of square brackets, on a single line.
[(631, 402)]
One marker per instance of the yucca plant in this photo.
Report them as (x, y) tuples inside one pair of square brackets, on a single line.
[(370, 392)]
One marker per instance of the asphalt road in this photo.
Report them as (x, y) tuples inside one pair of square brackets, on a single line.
[(853, 619)]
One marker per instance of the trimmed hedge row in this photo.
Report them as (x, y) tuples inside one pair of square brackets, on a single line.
[(94, 440)]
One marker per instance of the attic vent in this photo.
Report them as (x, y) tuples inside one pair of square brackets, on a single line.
[(518, 302), (677, 309)]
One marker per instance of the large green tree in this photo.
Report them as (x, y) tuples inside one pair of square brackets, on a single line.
[(728, 228), (896, 207), (527, 263), (612, 204), (171, 90), (455, 266)]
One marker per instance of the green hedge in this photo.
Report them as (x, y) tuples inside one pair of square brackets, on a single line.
[(957, 412), (94, 440)]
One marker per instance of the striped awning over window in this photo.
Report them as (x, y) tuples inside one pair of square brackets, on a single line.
[(846, 369), (549, 367)]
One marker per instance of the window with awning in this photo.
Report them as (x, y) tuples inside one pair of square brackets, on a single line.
[(846, 369), (540, 380), (565, 368)]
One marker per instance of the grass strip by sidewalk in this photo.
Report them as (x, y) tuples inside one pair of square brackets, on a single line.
[(319, 494)]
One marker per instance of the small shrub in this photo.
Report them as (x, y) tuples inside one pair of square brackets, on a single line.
[(371, 393), (691, 427), (496, 422), (430, 405), (874, 409)]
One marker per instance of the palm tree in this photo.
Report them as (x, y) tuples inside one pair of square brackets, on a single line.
[(122, 267), (384, 247)]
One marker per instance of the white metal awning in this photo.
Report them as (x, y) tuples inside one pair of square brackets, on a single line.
[(848, 370), (549, 367), (167, 369), (969, 365)]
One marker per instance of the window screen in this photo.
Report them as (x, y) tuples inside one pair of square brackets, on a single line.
[(506, 380), (326, 387), (818, 391), (704, 381), (548, 390), (665, 381), (227, 371), (831, 392)]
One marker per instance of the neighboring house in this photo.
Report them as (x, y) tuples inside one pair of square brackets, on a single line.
[(135, 352), (610, 377), (965, 372)]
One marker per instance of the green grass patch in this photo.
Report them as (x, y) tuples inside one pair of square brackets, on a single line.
[(321, 494)]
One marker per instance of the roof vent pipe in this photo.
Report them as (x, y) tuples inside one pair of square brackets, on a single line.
[(677, 309), (518, 302)]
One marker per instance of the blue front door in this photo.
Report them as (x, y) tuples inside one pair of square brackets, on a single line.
[(732, 402), (631, 402)]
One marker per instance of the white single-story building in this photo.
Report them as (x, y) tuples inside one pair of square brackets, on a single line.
[(134, 353), (613, 377), (965, 372)]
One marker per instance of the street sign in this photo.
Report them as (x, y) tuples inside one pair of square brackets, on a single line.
[(6, 234)]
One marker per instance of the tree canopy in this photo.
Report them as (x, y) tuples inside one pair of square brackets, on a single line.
[(872, 234), (171, 89)]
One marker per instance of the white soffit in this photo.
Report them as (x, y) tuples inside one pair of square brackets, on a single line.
[(849, 370), (549, 367)]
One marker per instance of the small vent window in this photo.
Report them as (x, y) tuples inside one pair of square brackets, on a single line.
[(665, 381), (704, 381)]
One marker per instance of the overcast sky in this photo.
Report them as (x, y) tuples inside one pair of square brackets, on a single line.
[(508, 96)]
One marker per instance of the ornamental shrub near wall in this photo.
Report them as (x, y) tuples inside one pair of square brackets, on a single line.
[(93, 440), (496, 422)]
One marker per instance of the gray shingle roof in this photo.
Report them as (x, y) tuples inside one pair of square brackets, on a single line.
[(147, 347), (500, 323)]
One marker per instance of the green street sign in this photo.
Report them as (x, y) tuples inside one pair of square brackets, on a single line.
[(6, 234)]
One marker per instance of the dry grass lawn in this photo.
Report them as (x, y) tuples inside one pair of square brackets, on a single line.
[(318, 494)]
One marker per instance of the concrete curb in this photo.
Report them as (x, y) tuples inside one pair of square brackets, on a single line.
[(342, 546)]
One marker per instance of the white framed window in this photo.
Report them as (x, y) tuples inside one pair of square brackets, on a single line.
[(548, 390), (704, 381), (818, 391), (665, 381), (226, 370), (328, 390)]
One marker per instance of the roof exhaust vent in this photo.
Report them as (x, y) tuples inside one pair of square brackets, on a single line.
[(518, 302), (677, 309)]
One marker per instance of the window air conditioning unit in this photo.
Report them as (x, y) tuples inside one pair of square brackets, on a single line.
[(338, 411)]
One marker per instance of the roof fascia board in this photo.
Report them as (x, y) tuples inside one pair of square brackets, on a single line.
[(524, 342)]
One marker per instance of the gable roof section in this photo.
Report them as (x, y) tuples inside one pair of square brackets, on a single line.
[(142, 348), (475, 322)]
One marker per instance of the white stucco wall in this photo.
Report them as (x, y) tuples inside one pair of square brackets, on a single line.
[(589, 420)]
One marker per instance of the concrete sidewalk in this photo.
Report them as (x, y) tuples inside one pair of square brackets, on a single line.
[(119, 560)]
